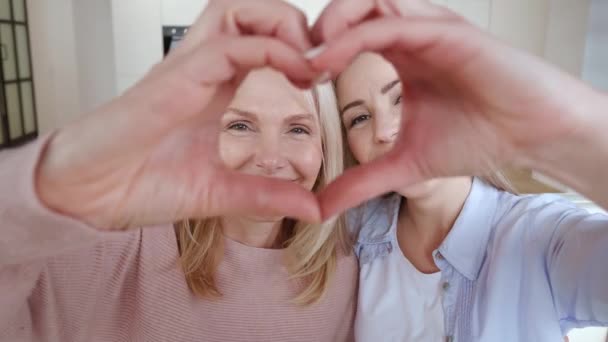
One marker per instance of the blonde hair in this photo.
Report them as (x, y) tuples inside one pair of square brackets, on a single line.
[(500, 181), (311, 250)]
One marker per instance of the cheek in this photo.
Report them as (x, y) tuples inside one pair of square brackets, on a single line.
[(360, 144), (234, 151), (307, 159)]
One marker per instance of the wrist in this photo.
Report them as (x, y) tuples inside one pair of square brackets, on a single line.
[(579, 160), (44, 185)]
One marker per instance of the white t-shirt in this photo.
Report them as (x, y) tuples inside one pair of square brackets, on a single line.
[(398, 303)]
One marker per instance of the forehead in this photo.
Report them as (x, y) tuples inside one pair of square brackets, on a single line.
[(268, 92), (369, 72)]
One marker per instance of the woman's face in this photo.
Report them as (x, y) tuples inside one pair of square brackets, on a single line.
[(369, 97), (271, 129)]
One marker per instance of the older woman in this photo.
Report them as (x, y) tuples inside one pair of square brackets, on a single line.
[(221, 273)]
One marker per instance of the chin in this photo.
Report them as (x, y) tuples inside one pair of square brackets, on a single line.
[(419, 190)]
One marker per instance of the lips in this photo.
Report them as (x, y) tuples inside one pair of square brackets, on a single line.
[(288, 179)]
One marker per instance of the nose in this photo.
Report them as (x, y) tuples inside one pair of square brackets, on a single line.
[(386, 127), (269, 158)]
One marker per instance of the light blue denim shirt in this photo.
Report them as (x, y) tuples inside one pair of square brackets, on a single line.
[(515, 268)]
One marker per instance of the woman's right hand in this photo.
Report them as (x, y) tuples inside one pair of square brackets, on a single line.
[(151, 156), (472, 104)]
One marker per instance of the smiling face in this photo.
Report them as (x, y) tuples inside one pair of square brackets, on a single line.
[(272, 129), (369, 97)]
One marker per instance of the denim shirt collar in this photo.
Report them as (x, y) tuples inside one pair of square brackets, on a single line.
[(466, 244), (376, 220), (464, 248)]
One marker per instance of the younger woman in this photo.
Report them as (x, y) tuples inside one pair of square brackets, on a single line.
[(463, 257)]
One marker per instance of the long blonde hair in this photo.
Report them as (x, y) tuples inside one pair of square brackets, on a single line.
[(311, 250)]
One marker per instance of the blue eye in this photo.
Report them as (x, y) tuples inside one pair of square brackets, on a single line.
[(239, 126), (359, 119), (299, 130)]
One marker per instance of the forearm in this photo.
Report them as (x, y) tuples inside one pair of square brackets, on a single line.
[(580, 161), (28, 230)]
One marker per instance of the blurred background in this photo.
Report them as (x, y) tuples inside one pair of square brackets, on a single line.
[(62, 58)]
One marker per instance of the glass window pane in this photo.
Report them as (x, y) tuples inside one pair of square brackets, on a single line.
[(5, 9), (7, 52), (29, 117), (19, 10), (23, 55), (14, 113)]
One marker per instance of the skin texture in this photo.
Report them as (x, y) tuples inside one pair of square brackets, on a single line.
[(473, 104), (270, 129), (151, 155), (369, 95)]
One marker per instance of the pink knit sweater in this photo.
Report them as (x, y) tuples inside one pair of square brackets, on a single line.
[(61, 280)]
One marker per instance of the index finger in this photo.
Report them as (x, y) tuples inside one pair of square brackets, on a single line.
[(339, 16), (437, 42), (271, 18)]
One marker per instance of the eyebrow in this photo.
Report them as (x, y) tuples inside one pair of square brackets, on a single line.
[(383, 91), (351, 105), (244, 113), (389, 86), (254, 117)]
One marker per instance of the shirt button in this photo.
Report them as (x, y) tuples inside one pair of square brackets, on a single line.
[(439, 256), (446, 286)]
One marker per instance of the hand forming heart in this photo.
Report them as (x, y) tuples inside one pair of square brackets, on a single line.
[(471, 104)]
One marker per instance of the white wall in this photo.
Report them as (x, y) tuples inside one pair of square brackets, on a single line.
[(72, 57), (521, 23), (181, 12), (595, 66), (94, 52), (565, 36), (137, 27), (54, 60), (185, 12), (476, 11), (312, 8), (138, 45)]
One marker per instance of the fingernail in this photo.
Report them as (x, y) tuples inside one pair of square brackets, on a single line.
[(314, 52), (323, 78)]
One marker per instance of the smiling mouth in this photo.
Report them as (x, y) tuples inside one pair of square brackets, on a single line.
[(293, 180)]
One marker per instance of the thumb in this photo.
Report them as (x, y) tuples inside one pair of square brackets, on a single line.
[(365, 182), (238, 194)]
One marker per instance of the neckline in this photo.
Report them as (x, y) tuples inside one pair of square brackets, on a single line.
[(246, 254)]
